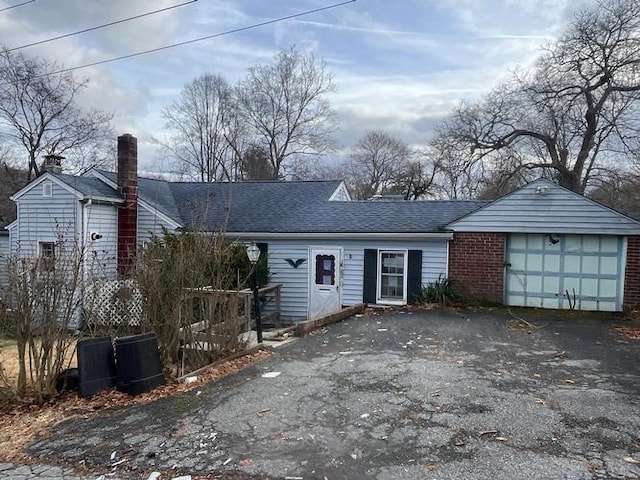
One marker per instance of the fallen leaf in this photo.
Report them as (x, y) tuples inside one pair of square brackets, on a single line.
[(630, 460), (502, 439), (429, 467), (568, 380)]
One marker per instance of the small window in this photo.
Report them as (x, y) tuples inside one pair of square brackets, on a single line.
[(47, 188), (325, 270), (392, 278), (47, 255)]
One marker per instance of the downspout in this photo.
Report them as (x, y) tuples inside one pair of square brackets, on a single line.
[(83, 274)]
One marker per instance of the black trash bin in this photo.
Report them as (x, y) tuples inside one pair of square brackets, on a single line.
[(138, 365), (96, 365)]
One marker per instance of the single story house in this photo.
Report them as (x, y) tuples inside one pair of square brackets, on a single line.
[(540, 246)]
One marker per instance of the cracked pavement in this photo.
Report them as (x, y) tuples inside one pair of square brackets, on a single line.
[(401, 395)]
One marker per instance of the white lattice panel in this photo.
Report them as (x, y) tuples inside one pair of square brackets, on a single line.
[(114, 302)]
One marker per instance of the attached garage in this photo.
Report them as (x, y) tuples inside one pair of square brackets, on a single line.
[(585, 272), (545, 246)]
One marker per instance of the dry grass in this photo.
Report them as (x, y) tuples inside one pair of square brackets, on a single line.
[(9, 358)]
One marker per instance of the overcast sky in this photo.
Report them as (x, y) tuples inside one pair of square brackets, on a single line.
[(398, 65)]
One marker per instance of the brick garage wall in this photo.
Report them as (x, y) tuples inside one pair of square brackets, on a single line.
[(632, 273), (476, 265)]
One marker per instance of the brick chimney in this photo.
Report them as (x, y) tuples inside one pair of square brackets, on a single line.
[(128, 213)]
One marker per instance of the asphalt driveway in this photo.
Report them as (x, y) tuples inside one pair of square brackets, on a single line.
[(404, 395)]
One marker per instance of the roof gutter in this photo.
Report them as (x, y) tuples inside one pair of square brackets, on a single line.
[(344, 235)]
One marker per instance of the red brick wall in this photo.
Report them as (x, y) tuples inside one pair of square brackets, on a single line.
[(632, 273), (476, 265), (128, 213)]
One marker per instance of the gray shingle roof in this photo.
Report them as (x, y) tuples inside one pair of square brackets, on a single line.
[(89, 186), (304, 207), (292, 207), (155, 192)]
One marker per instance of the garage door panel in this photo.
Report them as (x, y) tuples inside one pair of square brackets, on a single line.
[(551, 263), (518, 261), (590, 264), (572, 263), (518, 241), (589, 287), (516, 283), (551, 284), (534, 262), (533, 302), (591, 244), (517, 301), (609, 244), (565, 271), (609, 266), (573, 243), (608, 288), (535, 242)]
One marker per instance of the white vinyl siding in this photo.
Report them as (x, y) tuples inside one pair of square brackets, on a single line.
[(545, 207), (103, 220), (295, 281), (149, 224), (5, 254), (42, 219)]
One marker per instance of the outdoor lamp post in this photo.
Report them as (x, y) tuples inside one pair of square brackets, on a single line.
[(253, 252)]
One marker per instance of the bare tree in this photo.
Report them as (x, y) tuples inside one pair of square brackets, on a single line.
[(40, 112), (576, 107), (285, 106), (376, 162), (202, 126)]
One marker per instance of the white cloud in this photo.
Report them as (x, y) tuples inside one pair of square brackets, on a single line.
[(399, 66)]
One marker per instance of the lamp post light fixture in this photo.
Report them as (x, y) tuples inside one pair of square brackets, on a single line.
[(253, 253)]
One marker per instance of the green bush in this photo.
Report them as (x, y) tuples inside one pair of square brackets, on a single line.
[(441, 291)]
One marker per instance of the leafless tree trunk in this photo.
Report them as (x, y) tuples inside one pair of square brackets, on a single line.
[(576, 108), (40, 111), (376, 163), (286, 109), (203, 127)]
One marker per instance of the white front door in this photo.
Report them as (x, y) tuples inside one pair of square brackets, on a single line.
[(324, 282)]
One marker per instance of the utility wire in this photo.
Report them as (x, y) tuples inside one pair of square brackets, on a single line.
[(16, 5), (90, 29), (199, 39)]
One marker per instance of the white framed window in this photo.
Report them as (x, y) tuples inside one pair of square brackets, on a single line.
[(47, 188), (47, 255), (392, 277)]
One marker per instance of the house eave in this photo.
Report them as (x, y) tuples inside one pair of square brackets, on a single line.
[(344, 235)]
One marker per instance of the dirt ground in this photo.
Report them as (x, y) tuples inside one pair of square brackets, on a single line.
[(9, 358)]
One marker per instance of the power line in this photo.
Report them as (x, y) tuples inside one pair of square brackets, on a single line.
[(16, 5), (199, 39), (90, 29)]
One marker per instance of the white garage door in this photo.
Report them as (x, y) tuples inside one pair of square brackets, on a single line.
[(585, 272)]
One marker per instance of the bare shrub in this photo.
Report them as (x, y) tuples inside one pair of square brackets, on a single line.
[(190, 289), (41, 309)]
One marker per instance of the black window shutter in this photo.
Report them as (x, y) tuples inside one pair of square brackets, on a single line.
[(370, 280), (414, 275)]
